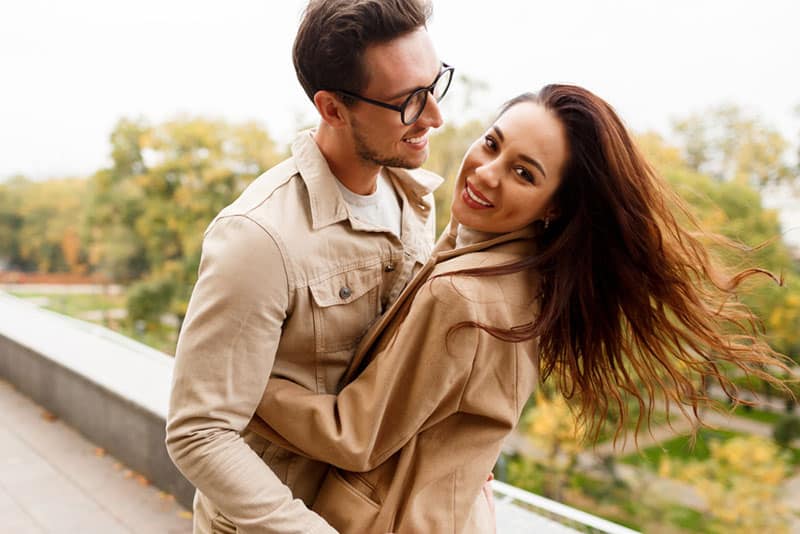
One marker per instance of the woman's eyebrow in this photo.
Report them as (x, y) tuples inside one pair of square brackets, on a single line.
[(532, 161)]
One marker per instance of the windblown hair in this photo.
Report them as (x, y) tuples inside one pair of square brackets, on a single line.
[(633, 305), (333, 35)]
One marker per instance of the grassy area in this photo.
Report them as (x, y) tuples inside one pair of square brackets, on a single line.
[(608, 430), (758, 415), (163, 338), (75, 304), (680, 448), (610, 498)]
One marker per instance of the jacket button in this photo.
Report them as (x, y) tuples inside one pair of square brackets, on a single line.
[(389, 268), (345, 293)]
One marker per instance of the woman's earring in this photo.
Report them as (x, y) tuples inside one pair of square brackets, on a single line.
[(546, 223)]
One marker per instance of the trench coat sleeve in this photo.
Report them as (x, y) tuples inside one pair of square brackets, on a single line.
[(415, 379), (224, 357)]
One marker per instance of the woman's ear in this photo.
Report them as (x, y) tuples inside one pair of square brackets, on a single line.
[(330, 108), (552, 213)]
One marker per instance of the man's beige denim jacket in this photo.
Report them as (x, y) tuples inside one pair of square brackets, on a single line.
[(288, 283)]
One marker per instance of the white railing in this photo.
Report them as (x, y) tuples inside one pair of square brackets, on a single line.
[(505, 493)]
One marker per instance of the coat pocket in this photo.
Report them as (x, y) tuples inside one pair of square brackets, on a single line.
[(344, 306), (347, 509)]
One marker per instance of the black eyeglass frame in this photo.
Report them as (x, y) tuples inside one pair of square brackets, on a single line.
[(402, 107)]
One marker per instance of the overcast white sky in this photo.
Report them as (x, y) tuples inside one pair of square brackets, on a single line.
[(71, 69)]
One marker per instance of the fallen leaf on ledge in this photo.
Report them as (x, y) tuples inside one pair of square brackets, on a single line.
[(48, 416)]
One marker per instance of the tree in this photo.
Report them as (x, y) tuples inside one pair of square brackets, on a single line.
[(551, 426), (734, 210), (728, 144), (149, 210), (11, 222), (40, 225), (786, 430), (741, 482)]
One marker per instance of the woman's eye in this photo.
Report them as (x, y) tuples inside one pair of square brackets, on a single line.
[(524, 174), (490, 143)]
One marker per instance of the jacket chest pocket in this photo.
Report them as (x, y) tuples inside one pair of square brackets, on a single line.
[(344, 306)]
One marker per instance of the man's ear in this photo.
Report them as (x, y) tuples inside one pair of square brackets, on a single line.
[(330, 108)]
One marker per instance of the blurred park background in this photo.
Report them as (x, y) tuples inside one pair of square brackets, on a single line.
[(125, 127)]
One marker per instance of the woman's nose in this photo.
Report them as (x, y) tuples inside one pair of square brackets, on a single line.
[(488, 174)]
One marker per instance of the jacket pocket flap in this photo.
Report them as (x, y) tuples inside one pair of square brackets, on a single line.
[(345, 287)]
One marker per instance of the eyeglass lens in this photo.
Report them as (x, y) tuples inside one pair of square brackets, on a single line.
[(416, 102)]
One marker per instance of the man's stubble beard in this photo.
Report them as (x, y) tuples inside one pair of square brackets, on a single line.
[(368, 155)]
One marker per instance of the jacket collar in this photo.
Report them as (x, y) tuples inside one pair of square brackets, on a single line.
[(446, 246), (327, 204)]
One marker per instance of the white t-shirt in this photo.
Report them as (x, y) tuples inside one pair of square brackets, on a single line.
[(381, 209)]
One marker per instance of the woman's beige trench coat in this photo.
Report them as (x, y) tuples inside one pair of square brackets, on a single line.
[(415, 435)]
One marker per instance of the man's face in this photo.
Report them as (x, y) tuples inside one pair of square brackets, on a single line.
[(395, 70)]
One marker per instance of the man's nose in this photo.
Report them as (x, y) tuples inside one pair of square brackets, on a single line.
[(432, 115)]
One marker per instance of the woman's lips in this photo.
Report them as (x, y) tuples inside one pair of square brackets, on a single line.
[(474, 199)]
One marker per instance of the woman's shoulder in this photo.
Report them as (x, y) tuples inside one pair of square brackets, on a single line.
[(501, 254), (450, 280)]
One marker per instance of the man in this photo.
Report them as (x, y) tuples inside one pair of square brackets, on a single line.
[(295, 270)]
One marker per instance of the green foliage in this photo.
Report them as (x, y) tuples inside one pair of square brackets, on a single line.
[(148, 300), (741, 481), (680, 447), (11, 222), (786, 430), (730, 145), (631, 505), (40, 224), (733, 209), (768, 389), (73, 304), (448, 146), (147, 213), (756, 415), (524, 473)]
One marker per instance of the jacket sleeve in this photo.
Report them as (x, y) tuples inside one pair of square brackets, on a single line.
[(416, 378), (225, 353)]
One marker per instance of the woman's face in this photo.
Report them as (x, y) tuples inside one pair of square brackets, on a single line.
[(509, 175)]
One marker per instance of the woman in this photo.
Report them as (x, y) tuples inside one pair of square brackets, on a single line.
[(564, 259)]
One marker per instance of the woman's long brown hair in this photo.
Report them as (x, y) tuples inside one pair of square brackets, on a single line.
[(633, 306)]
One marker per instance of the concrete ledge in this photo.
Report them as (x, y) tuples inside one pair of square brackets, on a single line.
[(109, 388)]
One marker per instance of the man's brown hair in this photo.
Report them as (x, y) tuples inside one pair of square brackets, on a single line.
[(330, 43)]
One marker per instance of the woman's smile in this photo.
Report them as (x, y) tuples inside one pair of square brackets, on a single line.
[(473, 198)]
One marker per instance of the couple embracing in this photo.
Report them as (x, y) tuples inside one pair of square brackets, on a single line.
[(337, 371)]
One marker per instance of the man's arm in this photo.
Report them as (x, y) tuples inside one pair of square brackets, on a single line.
[(224, 357), (417, 378)]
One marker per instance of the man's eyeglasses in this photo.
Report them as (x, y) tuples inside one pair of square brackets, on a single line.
[(413, 106)]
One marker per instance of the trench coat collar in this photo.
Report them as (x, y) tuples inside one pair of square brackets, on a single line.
[(444, 250)]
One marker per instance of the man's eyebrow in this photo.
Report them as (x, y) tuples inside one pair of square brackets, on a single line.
[(523, 157), (404, 92), (407, 92)]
